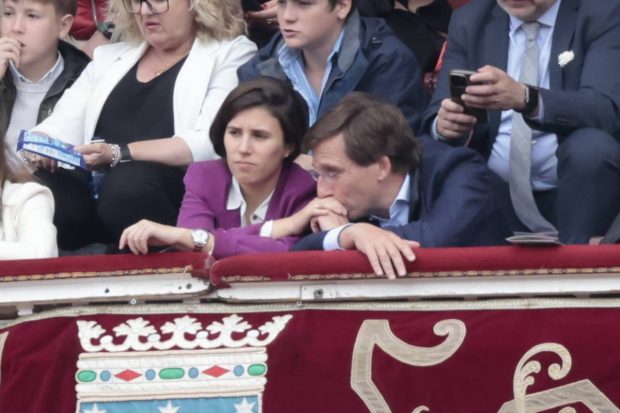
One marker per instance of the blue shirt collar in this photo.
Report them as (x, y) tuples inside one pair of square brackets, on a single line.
[(286, 54), (547, 19), (399, 204)]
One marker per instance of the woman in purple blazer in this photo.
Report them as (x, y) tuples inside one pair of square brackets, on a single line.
[(254, 199)]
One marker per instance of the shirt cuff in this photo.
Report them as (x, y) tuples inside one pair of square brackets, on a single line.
[(330, 242), (436, 135), (266, 229)]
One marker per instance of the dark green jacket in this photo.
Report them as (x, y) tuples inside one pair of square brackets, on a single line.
[(75, 61)]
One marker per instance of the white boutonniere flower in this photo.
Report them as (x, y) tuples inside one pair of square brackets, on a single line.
[(565, 58)]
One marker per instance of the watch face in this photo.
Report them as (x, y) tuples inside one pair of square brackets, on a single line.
[(200, 238)]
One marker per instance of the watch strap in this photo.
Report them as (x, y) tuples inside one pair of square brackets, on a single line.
[(531, 100), (125, 154)]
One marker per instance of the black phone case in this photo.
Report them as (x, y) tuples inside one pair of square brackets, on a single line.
[(455, 93)]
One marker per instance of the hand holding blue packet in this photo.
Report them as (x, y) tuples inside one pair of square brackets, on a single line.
[(49, 147)]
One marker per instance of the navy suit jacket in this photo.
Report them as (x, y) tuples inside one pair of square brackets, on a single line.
[(583, 93), (455, 205)]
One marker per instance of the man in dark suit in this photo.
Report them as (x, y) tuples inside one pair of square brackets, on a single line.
[(369, 163), (552, 66), (613, 235)]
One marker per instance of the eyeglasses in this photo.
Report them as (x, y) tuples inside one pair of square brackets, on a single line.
[(329, 177), (155, 6)]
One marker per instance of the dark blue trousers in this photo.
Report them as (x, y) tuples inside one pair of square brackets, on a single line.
[(587, 198)]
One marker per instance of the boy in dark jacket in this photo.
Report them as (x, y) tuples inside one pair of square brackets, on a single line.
[(35, 65), (326, 50)]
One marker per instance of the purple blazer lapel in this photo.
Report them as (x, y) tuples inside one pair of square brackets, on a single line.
[(232, 218), (224, 218), (274, 210)]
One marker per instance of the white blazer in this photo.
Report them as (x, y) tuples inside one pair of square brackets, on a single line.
[(26, 229), (204, 81)]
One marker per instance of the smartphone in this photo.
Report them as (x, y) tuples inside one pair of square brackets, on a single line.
[(251, 5), (459, 80)]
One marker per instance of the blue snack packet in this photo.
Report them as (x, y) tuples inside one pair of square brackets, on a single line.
[(49, 147)]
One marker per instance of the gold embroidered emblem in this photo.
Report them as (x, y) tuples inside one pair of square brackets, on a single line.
[(583, 391), (378, 333)]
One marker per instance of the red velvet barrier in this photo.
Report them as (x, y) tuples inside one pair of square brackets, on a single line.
[(102, 264), (315, 264), (326, 359), (429, 262)]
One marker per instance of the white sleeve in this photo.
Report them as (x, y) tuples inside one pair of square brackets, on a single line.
[(435, 133), (33, 222), (266, 229), (330, 242), (223, 80)]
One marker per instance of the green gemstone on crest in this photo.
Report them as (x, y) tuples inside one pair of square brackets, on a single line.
[(86, 376), (171, 373), (257, 369)]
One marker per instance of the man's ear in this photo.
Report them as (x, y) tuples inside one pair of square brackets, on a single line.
[(384, 165), (343, 7), (66, 22)]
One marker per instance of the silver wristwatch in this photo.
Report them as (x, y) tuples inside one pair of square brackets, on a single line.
[(200, 237)]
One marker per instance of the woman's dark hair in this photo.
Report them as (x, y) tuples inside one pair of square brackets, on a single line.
[(278, 98)]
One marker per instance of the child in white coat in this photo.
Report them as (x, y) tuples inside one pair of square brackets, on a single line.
[(26, 213)]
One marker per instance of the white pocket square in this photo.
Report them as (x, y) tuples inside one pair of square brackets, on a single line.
[(565, 58)]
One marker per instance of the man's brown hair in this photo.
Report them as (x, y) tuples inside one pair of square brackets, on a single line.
[(371, 128)]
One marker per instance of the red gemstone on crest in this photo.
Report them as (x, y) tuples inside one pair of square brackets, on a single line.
[(128, 375), (216, 371)]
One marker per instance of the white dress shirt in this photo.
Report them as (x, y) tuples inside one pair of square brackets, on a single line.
[(237, 201), (544, 145)]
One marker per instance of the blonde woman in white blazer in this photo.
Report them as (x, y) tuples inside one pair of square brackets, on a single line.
[(152, 99)]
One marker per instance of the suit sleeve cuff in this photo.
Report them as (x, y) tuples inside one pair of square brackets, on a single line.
[(436, 135), (330, 242)]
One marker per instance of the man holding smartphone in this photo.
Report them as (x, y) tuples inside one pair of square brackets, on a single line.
[(546, 70)]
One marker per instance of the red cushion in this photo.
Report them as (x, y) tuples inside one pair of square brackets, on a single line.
[(102, 264), (429, 261)]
